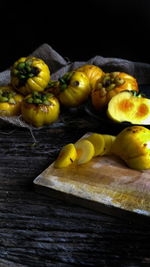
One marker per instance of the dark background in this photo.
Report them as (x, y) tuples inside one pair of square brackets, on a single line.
[(78, 30)]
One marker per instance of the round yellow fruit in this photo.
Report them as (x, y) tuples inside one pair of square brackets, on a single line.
[(133, 146)]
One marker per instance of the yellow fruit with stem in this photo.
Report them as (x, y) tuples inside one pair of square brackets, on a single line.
[(93, 73)]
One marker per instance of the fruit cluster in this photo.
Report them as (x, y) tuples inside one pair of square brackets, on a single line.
[(31, 81), (85, 149), (132, 145)]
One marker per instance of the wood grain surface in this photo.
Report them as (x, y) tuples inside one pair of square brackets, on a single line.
[(39, 230)]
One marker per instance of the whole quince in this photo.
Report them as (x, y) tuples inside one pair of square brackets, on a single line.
[(133, 146)]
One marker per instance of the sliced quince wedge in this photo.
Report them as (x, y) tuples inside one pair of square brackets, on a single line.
[(102, 143), (66, 156), (98, 142), (108, 142), (85, 151), (125, 106)]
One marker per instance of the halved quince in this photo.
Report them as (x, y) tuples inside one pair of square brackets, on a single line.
[(66, 156), (85, 151), (125, 106)]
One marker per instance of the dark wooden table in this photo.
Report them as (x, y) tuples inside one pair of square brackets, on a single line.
[(39, 230)]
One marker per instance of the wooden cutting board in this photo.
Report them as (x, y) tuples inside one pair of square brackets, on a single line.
[(104, 182)]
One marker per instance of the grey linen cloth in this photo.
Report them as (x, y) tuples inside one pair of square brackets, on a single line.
[(59, 66)]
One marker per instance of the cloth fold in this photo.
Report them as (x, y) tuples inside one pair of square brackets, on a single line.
[(59, 66)]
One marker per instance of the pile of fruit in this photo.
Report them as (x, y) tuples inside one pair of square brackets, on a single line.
[(32, 93), (132, 145), (85, 149)]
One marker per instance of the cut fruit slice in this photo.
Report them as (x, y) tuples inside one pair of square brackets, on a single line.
[(98, 142), (85, 151), (66, 156), (108, 141)]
